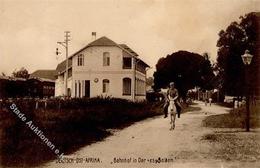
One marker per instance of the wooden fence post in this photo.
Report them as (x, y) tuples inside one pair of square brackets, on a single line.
[(36, 104)]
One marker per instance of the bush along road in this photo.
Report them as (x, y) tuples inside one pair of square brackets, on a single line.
[(34, 131)]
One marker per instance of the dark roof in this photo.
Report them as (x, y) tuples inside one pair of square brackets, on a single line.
[(102, 41), (128, 49), (62, 66), (45, 74), (141, 61)]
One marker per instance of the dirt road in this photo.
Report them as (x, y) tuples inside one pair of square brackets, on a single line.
[(150, 143)]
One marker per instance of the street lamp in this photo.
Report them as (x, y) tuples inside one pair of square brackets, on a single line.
[(247, 58)]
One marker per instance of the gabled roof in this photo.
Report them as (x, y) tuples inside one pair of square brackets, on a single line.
[(128, 49), (44, 74), (62, 66), (102, 41)]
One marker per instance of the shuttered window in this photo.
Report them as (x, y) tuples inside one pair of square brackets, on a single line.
[(126, 86)]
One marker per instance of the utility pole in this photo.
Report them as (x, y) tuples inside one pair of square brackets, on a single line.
[(65, 44), (135, 69)]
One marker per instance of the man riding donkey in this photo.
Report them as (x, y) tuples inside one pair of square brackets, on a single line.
[(172, 104)]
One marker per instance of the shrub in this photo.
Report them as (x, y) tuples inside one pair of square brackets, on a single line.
[(234, 119), (69, 124)]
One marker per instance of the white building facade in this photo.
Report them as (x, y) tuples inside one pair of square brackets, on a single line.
[(104, 68)]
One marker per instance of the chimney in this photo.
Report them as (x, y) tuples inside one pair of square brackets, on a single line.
[(94, 35)]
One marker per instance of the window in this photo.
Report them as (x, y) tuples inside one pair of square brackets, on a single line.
[(76, 89), (69, 72), (140, 87), (106, 59), (140, 67), (126, 86), (69, 92), (127, 63), (79, 89), (105, 86), (80, 60)]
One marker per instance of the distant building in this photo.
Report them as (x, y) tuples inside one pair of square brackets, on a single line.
[(41, 83), (104, 68), (11, 87), (44, 74)]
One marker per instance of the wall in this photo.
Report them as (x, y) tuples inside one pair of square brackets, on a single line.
[(93, 69), (59, 85)]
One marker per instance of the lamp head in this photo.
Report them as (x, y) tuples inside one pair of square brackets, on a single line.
[(247, 58)]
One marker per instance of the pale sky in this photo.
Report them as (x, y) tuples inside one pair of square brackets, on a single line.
[(30, 29)]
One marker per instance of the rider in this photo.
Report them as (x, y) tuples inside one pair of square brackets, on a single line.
[(173, 93)]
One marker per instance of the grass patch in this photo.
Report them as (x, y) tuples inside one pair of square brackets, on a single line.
[(234, 119), (234, 146)]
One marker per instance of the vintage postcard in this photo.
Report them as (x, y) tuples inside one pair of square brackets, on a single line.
[(130, 83)]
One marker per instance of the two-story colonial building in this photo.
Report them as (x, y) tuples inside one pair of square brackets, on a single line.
[(104, 68)]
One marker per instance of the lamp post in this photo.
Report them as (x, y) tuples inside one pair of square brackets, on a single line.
[(247, 58)]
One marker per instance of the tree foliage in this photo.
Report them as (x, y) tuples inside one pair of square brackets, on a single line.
[(22, 73), (232, 43), (3, 74), (186, 69)]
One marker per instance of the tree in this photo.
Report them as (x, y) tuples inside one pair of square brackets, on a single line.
[(186, 69), (22, 73), (3, 74), (232, 43), (150, 81)]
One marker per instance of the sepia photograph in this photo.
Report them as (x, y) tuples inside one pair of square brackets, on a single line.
[(130, 84)]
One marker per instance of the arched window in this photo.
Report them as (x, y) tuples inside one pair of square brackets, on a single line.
[(126, 86), (106, 59), (105, 86)]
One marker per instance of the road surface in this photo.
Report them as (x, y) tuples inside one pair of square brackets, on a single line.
[(150, 143)]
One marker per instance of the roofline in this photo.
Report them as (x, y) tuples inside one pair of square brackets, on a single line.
[(118, 45), (87, 46), (144, 63), (61, 72), (43, 70), (12, 78), (42, 79)]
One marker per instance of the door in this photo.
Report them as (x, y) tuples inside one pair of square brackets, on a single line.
[(87, 88)]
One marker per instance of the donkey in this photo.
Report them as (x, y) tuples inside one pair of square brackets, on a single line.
[(172, 111)]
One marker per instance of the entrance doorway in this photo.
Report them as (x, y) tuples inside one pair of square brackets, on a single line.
[(87, 88)]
